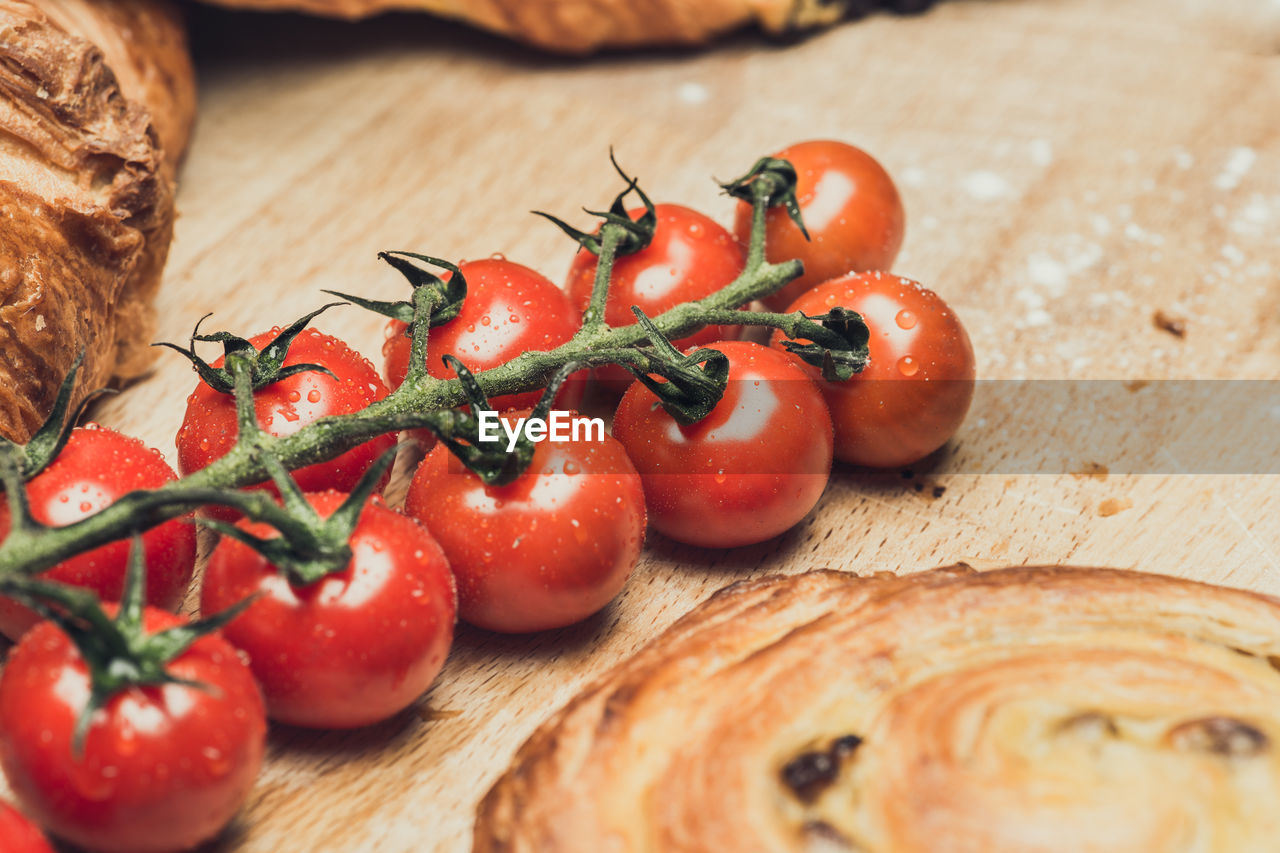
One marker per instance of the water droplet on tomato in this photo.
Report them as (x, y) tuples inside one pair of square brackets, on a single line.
[(485, 321), (906, 319), (514, 318), (571, 467), (127, 739), (720, 477), (85, 506), (217, 762), (92, 781), (497, 256), (294, 396), (313, 396), (907, 366)]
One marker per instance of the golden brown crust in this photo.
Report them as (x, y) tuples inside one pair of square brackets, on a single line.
[(85, 191), (144, 44), (1027, 709), (581, 26)]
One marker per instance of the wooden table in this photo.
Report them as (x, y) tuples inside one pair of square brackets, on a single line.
[(1068, 168)]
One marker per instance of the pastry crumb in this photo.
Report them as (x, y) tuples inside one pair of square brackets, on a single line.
[(1175, 326), (1113, 506)]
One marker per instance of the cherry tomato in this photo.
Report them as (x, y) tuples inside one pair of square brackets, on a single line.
[(19, 835), (545, 551), (918, 383), (690, 257), (509, 309), (354, 647), (163, 768), (749, 470), (96, 467), (209, 428), (850, 207)]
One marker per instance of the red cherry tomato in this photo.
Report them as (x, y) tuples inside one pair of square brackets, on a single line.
[(95, 468), (509, 309), (917, 386), (164, 768), (209, 428), (545, 551), (19, 835), (350, 649), (690, 257), (748, 471), (850, 207)]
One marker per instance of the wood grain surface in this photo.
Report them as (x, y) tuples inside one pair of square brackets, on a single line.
[(1069, 170)]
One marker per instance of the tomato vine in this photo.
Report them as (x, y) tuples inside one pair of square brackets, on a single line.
[(837, 344)]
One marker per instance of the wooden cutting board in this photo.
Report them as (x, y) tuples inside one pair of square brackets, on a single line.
[(1068, 168)]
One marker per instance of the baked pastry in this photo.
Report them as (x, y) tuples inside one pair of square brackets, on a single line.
[(144, 44), (97, 99), (581, 26), (1028, 709)]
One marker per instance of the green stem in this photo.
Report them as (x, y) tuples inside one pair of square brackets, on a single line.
[(760, 192), (593, 318), (794, 325), (246, 413), (419, 403), (425, 302)]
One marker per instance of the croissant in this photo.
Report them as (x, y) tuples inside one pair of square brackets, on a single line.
[(97, 99), (1031, 709), (581, 26)]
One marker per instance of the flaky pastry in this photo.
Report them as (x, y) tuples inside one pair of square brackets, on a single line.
[(1031, 709), (579, 26), (96, 103)]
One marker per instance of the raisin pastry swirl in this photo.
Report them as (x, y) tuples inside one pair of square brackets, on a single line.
[(97, 99), (1031, 709)]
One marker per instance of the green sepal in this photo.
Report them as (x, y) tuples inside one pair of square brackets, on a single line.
[(460, 432), (476, 398), (838, 343), (266, 365), (695, 383), (776, 180), (449, 295), (15, 492), (308, 548), (637, 233), (118, 652), (43, 447)]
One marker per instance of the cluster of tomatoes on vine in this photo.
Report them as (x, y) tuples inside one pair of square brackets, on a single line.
[(341, 609)]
